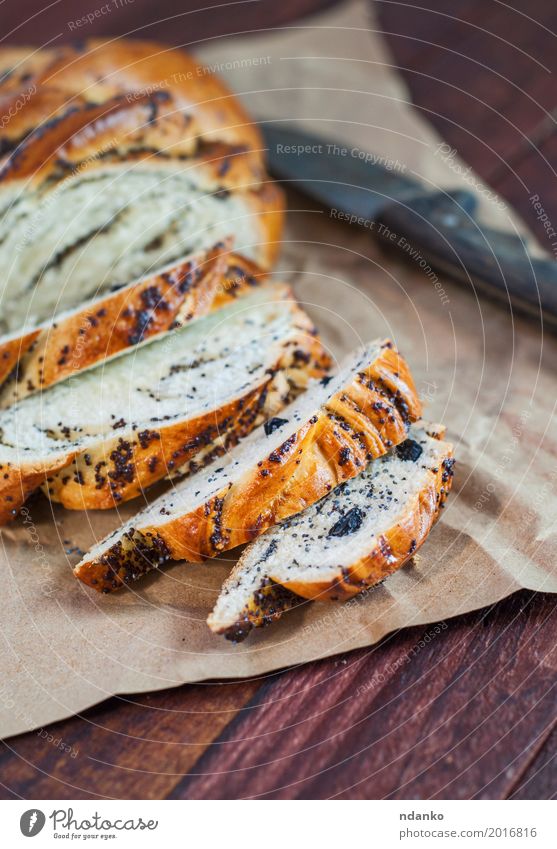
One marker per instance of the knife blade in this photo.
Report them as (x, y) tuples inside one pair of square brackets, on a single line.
[(440, 224)]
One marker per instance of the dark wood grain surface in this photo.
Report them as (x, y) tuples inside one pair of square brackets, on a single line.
[(467, 713)]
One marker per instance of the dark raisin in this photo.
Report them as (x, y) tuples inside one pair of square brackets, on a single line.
[(348, 524), (273, 424), (409, 450)]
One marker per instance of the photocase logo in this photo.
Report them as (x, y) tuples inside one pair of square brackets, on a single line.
[(32, 822)]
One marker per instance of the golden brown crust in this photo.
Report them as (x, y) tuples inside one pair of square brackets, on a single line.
[(78, 135), (87, 138), (21, 66), (122, 466), (13, 350), (240, 278), (107, 68), (16, 485), (361, 422), (100, 70), (21, 101)]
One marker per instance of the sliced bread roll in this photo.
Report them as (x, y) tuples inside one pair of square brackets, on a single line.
[(101, 437), (33, 359), (356, 536), (328, 435)]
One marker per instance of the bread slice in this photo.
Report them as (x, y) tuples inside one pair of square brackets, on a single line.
[(33, 359), (102, 327), (101, 437), (325, 437), (354, 537)]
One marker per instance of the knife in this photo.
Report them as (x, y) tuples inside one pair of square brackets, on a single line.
[(437, 225)]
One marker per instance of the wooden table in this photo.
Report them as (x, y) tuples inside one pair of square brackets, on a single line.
[(468, 715)]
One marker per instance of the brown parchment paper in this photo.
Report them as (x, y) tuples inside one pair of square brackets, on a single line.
[(487, 374)]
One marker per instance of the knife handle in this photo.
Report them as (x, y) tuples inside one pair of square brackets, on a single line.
[(439, 228)]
